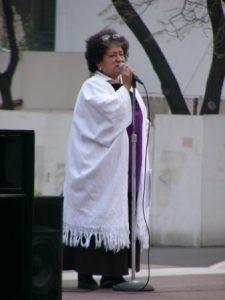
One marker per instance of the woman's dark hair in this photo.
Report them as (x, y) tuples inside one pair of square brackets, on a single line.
[(97, 44)]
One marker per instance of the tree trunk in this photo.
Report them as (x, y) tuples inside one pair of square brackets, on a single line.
[(212, 97), (5, 90), (6, 77), (169, 84)]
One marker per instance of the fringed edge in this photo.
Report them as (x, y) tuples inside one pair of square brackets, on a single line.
[(113, 240), (143, 235)]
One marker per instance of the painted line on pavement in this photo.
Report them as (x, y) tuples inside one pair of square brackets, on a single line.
[(72, 275)]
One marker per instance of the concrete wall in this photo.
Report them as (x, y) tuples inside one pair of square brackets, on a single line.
[(51, 81), (188, 181), (47, 80), (188, 162), (213, 181), (51, 132)]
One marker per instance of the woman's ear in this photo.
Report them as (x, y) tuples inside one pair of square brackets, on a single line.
[(99, 67)]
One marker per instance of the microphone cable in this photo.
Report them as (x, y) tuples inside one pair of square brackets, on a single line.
[(143, 199)]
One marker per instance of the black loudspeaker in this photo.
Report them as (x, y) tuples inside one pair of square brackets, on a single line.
[(16, 200), (47, 248)]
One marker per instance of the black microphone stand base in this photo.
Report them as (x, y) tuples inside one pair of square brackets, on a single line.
[(133, 286)]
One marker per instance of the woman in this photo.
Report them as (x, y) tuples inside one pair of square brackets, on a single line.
[(96, 213)]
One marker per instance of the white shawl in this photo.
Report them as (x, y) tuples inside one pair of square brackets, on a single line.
[(96, 181)]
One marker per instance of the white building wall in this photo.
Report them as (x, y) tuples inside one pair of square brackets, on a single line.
[(189, 58)]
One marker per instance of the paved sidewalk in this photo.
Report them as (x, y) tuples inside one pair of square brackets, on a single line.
[(198, 282)]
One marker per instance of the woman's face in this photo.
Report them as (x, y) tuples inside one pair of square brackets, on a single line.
[(109, 65)]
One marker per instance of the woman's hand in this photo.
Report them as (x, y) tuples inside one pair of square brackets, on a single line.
[(127, 76)]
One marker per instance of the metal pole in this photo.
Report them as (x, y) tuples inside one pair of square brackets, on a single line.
[(133, 284), (133, 184)]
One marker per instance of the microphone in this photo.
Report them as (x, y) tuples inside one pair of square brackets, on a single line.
[(121, 67)]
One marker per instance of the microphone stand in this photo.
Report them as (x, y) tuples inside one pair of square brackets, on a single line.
[(133, 284)]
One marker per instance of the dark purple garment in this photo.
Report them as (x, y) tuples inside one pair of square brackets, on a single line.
[(138, 123)]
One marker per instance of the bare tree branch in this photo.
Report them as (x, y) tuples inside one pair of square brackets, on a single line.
[(215, 80), (169, 84)]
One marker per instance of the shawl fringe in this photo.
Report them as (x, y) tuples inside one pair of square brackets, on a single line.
[(112, 240)]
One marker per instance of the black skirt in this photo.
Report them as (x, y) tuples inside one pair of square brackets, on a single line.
[(98, 261)]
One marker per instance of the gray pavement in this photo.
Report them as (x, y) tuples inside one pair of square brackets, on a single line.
[(185, 256), (175, 273)]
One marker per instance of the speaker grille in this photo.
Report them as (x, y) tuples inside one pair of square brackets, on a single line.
[(46, 279), (47, 248)]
